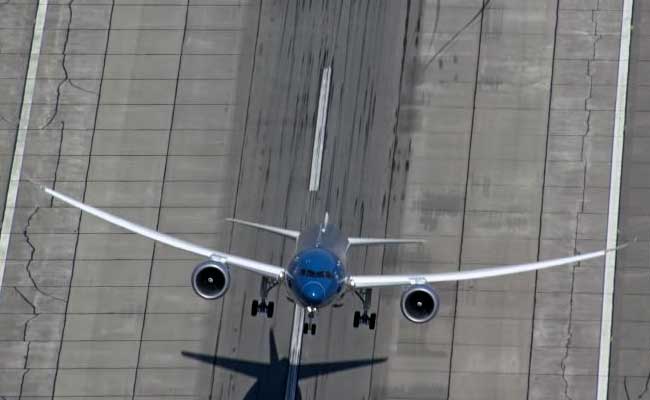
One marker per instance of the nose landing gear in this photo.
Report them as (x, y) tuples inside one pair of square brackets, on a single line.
[(363, 317), (310, 325), (262, 306), (307, 327)]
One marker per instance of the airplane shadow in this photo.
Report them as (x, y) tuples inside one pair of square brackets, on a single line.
[(267, 385)]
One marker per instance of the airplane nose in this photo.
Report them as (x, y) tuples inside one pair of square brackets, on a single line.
[(314, 291)]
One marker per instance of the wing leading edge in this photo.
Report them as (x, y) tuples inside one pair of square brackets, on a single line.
[(244, 263), (368, 281)]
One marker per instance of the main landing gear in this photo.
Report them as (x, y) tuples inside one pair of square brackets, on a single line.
[(262, 306), (310, 326), (364, 318)]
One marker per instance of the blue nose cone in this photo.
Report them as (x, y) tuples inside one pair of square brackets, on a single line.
[(314, 292)]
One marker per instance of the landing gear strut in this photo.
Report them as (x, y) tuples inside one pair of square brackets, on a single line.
[(310, 326), (262, 306), (364, 318)]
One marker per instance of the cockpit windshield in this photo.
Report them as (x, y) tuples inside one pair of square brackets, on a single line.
[(316, 274)]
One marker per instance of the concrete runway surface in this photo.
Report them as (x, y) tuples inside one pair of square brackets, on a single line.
[(482, 126)]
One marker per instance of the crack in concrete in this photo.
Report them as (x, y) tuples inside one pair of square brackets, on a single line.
[(26, 327), (451, 40), (435, 24), (645, 388), (66, 76), (31, 257), (22, 379), (7, 120), (58, 160), (22, 382), (579, 211), (627, 392), (569, 337), (29, 347), (76, 86), (29, 302)]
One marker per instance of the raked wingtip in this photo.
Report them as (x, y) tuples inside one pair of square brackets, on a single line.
[(35, 183)]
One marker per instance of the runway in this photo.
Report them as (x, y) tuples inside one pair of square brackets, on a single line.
[(482, 126)]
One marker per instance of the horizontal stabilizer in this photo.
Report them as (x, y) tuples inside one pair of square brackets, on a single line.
[(355, 241), (274, 229)]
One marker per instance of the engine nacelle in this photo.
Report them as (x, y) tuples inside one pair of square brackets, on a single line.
[(420, 303), (211, 279)]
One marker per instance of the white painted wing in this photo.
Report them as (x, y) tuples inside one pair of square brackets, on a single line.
[(274, 229), (367, 281), (244, 263)]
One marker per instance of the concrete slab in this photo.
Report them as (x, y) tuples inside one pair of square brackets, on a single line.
[(90, 355), (103, 327), (143, 17), (94, 382), (151, 41)]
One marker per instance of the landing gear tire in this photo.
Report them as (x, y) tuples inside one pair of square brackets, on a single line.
[(262, 306), (372, 321), (365, 295), (365, 319), (308, 328), (254, 308)]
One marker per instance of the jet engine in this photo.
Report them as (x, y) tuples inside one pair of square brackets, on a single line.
[(420, 303), (211, 279)]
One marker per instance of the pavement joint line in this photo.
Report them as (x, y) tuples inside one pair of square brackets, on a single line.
[(319, 139), (614, 197), (294, 353), (21, 137)]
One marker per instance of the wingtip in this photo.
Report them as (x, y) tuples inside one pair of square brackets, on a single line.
[(35, 183), (624, 245), (621, 246)]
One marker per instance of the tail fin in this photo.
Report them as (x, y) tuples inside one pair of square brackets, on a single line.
[(273, 349), (326, 221), (274, 229)]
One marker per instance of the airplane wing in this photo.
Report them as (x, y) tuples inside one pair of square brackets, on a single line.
[(368, 281), (274, 229), (261, 268), (359, 241)]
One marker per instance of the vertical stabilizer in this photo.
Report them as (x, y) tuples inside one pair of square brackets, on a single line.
[(326, 221), (273, 349)]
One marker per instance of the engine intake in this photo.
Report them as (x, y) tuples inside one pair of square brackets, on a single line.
[(420, 303), (211, 279)]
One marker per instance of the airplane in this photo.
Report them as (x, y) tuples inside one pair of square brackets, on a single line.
[(316, 276), (260, 370)]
